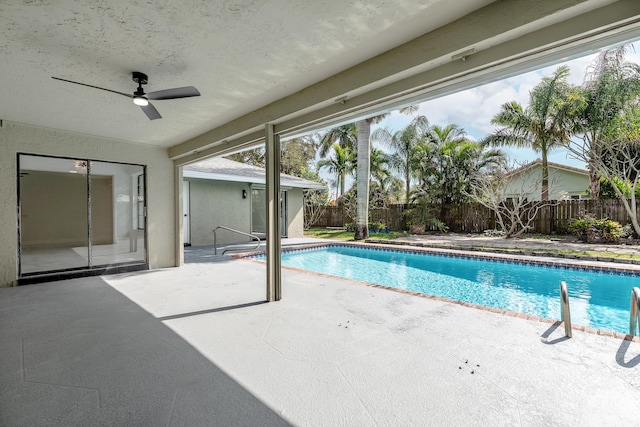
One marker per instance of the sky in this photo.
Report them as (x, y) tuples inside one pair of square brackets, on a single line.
[(473, 109)]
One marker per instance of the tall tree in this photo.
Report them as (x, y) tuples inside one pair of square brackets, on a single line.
[(403, 144), (296, 155), (363, 176), (346, 136), (544, 124), (340, 164), (610, 84), (363, 172), (379, 169), (447, 162)]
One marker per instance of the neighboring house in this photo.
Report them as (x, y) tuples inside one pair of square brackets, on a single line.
[(220, 191), (565, 182)]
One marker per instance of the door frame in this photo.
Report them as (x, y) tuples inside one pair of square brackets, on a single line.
[(186, 213)]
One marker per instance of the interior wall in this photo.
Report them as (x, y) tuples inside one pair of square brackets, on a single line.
[(53, 198), (161, 219), (102, 210), (57, 198)]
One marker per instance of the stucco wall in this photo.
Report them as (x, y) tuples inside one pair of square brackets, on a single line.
[(295, 214), (16, 138), (214, 203)]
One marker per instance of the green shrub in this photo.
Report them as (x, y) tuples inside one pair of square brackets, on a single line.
[(592, 230), (377, 226)]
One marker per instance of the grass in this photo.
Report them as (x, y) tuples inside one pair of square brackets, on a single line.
[(328, 233)]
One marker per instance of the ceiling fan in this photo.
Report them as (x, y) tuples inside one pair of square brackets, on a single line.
[(142, 99)]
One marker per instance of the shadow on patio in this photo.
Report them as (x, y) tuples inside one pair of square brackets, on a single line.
[(78, 352)]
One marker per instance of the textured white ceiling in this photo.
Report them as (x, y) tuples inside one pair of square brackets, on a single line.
[(240, 54)]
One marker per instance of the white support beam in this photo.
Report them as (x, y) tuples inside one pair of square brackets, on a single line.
[(272, 148)]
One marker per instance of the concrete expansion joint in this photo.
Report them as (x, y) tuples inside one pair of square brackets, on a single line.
[(53, 384), (355, 393)]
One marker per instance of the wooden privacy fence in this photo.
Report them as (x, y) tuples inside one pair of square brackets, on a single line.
[(475, 218)]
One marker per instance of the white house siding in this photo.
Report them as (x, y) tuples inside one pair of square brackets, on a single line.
[(16, 138), (561, 182)]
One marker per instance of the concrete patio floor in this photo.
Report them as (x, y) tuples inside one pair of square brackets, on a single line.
[(197, 346)]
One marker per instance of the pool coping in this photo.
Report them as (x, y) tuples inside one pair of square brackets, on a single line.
[(603, 267)]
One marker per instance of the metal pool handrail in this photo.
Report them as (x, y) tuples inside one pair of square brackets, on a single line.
[(634, 319), (566, 311), (215, 244)]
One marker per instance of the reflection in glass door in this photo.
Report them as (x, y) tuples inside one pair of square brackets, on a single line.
[(259, 212), (79, 214), (53, 214)]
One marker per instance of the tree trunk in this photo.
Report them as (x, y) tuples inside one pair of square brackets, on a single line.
[(594, 173), (362, 177), (407, 193), (545, 176)]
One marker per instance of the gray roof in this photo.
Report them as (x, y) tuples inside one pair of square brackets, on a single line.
[(222, 169)]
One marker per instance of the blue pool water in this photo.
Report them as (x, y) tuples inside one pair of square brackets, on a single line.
[(598, 299)]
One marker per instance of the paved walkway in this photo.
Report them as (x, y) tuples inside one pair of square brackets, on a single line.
[(515, 245), (197, 346)]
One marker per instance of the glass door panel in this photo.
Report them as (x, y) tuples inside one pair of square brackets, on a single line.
[(259, 212), (53, 214), (283, 214), (117, 213)]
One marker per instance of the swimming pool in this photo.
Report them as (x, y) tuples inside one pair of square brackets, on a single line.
[(598, 299)]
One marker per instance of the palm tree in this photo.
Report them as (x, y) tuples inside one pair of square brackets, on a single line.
[(544, 124), (346, 136), (610, 84), (379, 161), (340, 164), (362, 176), (447, 163), (356, 136), (403, 144)]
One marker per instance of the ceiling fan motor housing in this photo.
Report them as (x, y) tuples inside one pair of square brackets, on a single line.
[(140, 78)]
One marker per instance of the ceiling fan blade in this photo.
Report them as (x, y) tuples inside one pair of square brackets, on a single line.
[(151, 111), (178, 92), (128, 95)]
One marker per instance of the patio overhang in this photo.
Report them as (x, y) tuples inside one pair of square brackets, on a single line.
[(500, 40)]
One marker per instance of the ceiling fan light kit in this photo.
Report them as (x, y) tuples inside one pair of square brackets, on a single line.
[(141, 99)]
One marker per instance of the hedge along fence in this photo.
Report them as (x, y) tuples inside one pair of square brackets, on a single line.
[(475, 218)]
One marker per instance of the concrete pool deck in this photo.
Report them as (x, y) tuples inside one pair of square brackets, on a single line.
[(196, 345)]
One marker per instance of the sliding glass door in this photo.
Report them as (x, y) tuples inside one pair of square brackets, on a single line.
[(79, 214), (259, 212)]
